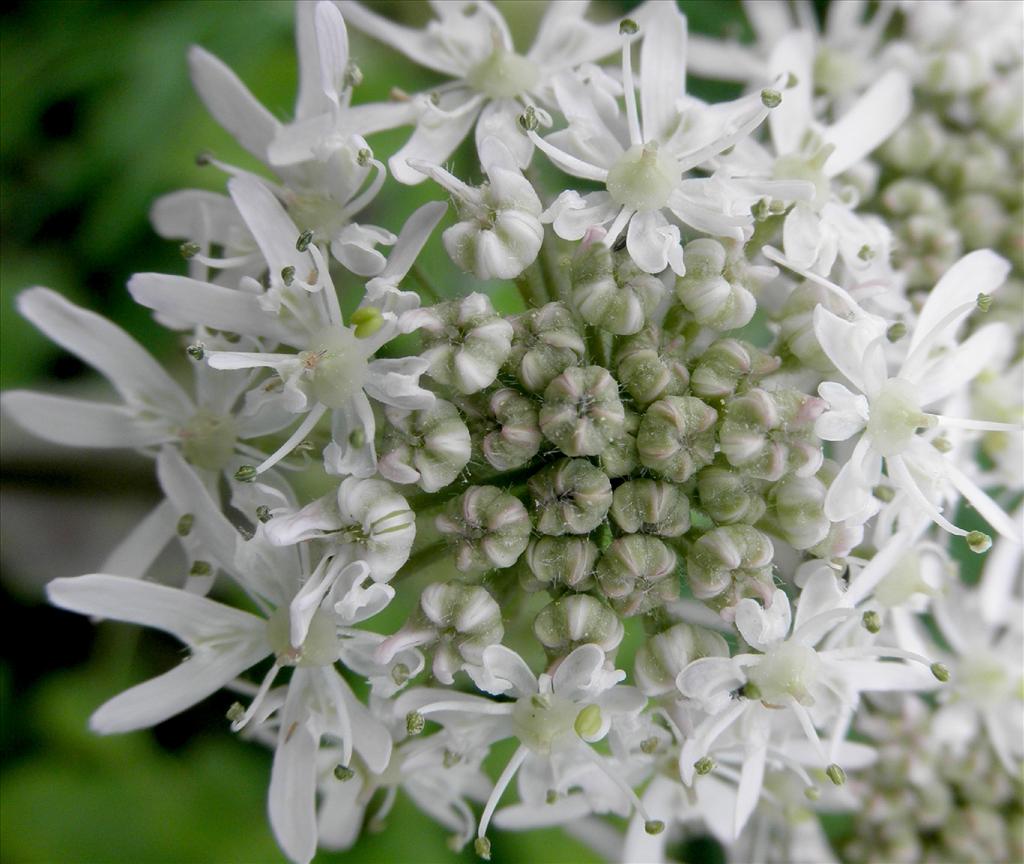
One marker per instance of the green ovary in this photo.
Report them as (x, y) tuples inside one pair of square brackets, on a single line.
[(788, 669), (895, 417), (540, 719), (208, 440), (643, 179), (503, 75), (338, 366)]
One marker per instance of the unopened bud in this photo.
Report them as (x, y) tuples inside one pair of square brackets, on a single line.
[(611, 292), (582, 412), (660, 660), (429, 446), (488, 527), (638, 573), (677, 437), (571, 497), (575, 620), (836, 774)]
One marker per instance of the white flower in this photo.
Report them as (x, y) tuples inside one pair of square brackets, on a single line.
[(492, 84), (818, 687), (643, 167), (323, 161), (334, 369), (500, 233), (888, 411)]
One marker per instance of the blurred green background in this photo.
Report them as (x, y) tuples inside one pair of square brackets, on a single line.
[(98, 119)]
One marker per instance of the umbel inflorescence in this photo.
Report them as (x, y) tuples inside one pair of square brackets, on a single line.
[(768, 357)]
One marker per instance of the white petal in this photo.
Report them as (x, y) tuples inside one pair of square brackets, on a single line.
[(751, 779), (209, 305), (395, 381), (190, 682), (662, 70), (270, 225), (792, 55), (341, 457), (958, 367), (763, 627), (105, 347), (197, 214), (332, 48), (871, 120), (652, 242), (436, 136), (574, 678), (850, 496), (846, 344), (509, 672), (231, 103), (876, 675), (79, 422), (292, 799), (141, 546)]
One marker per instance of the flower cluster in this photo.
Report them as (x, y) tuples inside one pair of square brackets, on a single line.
[(760, 374)]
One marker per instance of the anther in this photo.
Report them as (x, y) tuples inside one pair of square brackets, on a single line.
[(263, 513), (978, 541), (185, 524), (305, 238), (343, 773), (628, 27), (703, 766), (414, 723), (654, 826), (246, 474), (288, 275), (940, 671), (482, 847), (896, 332), (189, 249), (984, 302), (771, 98), (200, 568), (872, 621), (197, 351), (836, 774)]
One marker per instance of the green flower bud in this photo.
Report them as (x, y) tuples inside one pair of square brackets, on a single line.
[(836, 774), (798, 505), (730, 563), (650, 365), (620, 458), (545, 342), (651, 507), (981, 219), (575, 620), (727, 363), (570, 497), (660, 660), (611, 292), (915, 145), (517, 438), (677, 436), (465, 341), (716, 287), (973, 163), (582, 412), (488, 528), (728, 495), (459, 621), (638, 573), (554, 561), (429, 447), (768, 434)]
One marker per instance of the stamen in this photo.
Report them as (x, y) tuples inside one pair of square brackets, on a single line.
[(635, 137), (492, 802), (294, 440), (240, 722), (651, 826)]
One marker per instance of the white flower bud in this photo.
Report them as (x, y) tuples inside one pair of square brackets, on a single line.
[(428, 447), (798, 505), (570, 497), (565, 624), (729, 496), (730, 563), (651, 365), (726, 364), (466, 341), (651, 507), (677, 437), (545, 343), (660, 660), (489, 529), (711, 290), (582, 412), (638, 574), (611, 292), (518, 437), (555, 561)]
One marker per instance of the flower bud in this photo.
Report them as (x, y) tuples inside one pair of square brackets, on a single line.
[(660, 660), (677, 436), (915, 145), (554, 561), (728, 495), (796, 325), (798, 505), (730, 563), (500, 233), (651, 507), (638, 573), (570, 497), (981, 219), (546, 342), (465, 341), (462, 620), (725, 364), (611, 292), (517, 438), (575, 620), (489, 529), (973, 163), (582, 412), (428, 447), (716, 285), (650, 365), (768, 434), (620, 458)]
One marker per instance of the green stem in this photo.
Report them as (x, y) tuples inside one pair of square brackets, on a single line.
[(425, 285), (532, 286), (423, 558)]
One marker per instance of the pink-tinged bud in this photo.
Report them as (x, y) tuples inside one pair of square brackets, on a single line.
[(428, 447), (546, 342), (651, 507), (611, 292), (638, 573), (582, 412), (555, 561), (730, 563), (518, 437), (570, 497), (677, 437), (488, 528), (651, 365)]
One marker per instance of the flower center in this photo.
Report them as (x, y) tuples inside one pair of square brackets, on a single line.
[(801, 167), (643, 179), (903, 581), (504, 74), (539, 720), (208, 440), (788, 669), (895, 417), (336, 366), (984, 679), (320, 647)]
